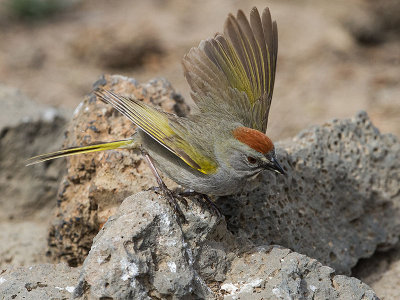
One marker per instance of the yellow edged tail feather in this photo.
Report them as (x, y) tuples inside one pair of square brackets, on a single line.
[(128, 143)]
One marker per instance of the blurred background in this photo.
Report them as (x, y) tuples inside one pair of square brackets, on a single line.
[(335, 57)]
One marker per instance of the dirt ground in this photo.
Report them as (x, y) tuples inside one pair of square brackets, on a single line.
[(335, 57)]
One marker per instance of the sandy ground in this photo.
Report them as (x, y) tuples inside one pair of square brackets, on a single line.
[(323, 72)]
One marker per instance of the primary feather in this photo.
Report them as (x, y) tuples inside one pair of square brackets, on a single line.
[(234, 73)]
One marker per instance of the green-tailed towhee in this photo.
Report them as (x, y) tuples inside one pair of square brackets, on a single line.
[(214, 151)]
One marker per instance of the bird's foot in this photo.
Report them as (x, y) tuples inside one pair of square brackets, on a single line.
[(206, 199), (171, 200)]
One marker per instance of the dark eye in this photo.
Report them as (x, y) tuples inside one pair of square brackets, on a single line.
[(251, 160)]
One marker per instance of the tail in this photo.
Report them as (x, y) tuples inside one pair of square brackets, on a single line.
[(128, 143)]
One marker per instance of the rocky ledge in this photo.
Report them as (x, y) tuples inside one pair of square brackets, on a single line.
[(292, 237)]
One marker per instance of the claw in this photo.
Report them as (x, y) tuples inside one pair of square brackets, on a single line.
[(205, 197)]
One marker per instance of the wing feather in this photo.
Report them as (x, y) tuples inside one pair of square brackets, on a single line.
[(159, 125), (235, 71)]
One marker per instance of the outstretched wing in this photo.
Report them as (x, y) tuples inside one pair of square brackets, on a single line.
[(234, 73), (160, 126)]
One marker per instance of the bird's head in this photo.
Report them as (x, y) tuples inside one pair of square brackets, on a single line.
[(251, 151)]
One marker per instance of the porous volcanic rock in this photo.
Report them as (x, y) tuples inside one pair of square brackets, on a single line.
[(145, 252), (96, 183), (273, 272), (338, 202)]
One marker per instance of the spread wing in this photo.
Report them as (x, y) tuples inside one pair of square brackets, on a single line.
[(234, 73), (162, 127)]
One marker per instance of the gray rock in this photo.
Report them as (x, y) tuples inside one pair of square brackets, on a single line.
[(18, 108), (278, 273), (143, 252), (40, 282), (28, 129), (339, 201)]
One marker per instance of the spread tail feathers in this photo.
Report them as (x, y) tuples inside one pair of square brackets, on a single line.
[(129, 143)]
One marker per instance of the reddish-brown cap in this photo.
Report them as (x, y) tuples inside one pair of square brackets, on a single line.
[(254, 139)]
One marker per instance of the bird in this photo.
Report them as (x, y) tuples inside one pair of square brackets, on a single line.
[(217, 149)]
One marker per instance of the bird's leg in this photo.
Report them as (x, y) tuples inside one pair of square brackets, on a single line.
[(167, 192), (205, 197)]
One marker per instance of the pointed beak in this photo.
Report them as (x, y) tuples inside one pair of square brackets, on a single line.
[(275, 166)]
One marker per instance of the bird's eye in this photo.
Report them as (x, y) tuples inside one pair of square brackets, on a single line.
[(251, 160)]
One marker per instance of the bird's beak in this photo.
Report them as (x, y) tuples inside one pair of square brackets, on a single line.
[(275, 166)]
